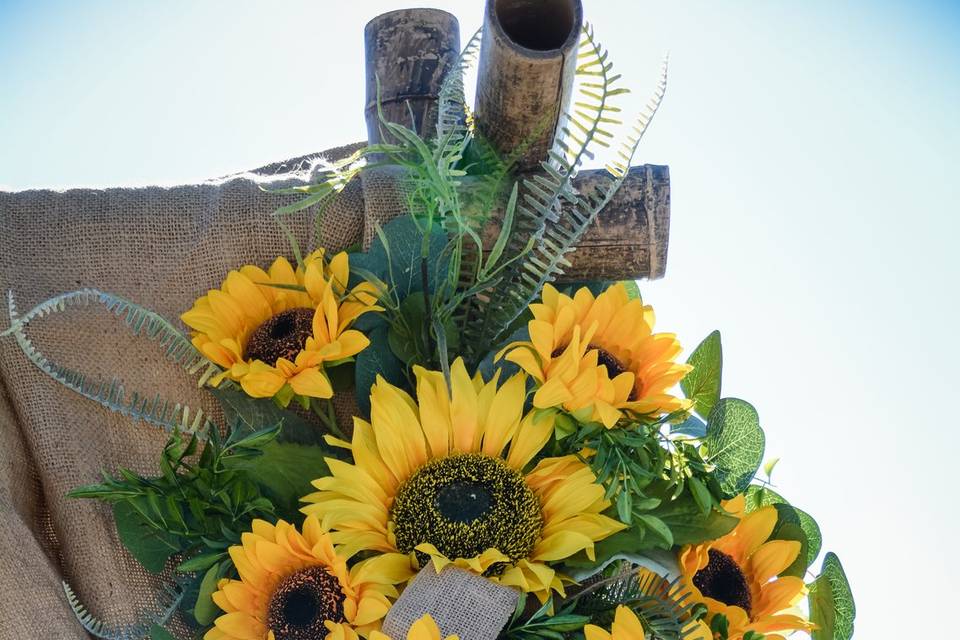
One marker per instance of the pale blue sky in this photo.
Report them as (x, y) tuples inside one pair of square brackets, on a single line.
[(814, 149)]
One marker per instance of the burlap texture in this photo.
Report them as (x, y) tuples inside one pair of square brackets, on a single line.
[(463, 604), (161, 247)]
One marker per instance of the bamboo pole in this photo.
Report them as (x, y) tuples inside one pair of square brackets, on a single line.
[(528, 57), (409, 51)]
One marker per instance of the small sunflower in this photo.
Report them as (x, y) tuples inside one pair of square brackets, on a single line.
[(295, 586), (424, 628), (626, 626), (736, 576), (598, 357), (268, 333), (444, 477)]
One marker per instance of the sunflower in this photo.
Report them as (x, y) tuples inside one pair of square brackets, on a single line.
[(445, 477), (626, 626), (295, 586), (271, 329), (736, 576), (424, 628), (598, 357)]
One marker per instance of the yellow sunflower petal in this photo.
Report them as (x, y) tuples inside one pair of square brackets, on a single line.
[(311, 383), (262, 380), (772, 558)]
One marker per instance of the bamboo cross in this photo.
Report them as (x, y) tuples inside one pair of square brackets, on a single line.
[(526, 72)]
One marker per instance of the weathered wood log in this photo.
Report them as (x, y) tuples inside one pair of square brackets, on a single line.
[(528, 58), (410, 52)]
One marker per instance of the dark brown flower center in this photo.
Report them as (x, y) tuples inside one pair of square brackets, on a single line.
[(723, 580), (464, 504), (605, 358), (282, 336), (302, 602)]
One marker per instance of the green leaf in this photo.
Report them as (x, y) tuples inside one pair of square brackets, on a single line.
[(376, 359), (285, 471), (734, 444), (658, 527), (401, 256), (832, 607), (257, 439), (151, 547), (206, 611), (633, 289), (701, 495), (769, 466), (689, 524), (159, 633), (253, 414), (702, 384), (199, 563), (693, 427)]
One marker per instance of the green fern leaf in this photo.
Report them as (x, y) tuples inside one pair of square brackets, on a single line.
[(142, 322), (170, 597)]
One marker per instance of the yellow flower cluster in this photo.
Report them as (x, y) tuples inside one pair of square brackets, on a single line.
[(598, 357), (269, 329)]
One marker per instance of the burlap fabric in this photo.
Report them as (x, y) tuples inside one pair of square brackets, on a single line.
[(465, 605), (161, 247)]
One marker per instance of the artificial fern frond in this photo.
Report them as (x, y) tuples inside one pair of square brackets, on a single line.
[(451, 99), (665, 608), (112, 395), (170, 597), (551, 212)]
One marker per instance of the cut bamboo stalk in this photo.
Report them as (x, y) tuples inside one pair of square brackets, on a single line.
[(528, 58), (409, 51)]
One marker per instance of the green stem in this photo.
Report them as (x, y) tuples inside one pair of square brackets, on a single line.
[(328, 416)]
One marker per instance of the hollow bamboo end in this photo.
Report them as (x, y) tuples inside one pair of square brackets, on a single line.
[(528, 59), (537, 25)]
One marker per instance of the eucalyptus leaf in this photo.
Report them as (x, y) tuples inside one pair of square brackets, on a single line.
[(832, 607), (735, 444), (400, 258), (376, 359), (702, 383)]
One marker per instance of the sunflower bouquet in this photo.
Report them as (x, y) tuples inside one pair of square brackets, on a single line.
[(441, 437)]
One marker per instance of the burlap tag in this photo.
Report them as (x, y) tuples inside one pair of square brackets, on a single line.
[(462, 603), (161, 247)]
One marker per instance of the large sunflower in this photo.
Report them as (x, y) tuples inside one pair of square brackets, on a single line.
[(295, 586), (598, 357), (445, 477), (269, 329), (736, 576)]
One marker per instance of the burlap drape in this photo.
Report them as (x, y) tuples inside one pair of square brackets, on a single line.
[(161, 247)]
